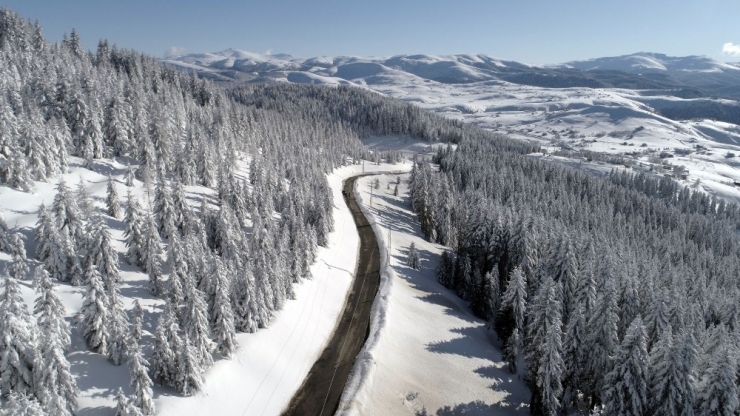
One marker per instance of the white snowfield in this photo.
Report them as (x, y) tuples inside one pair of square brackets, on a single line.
[(426, 351), (268, 366)]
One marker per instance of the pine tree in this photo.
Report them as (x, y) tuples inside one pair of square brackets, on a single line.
[(673, 384), (718, 388), (511, 317), (551, 365), (18, 254), (153, 256), (54, 384), (45, 226), (445, 269), (94, 314), (134, 232), (244, 300), (164, 210), (142, 398), (124, 405), (17, 341), (84, 200), (167, 346), (222, 315), (627, 383), (413, 260), (101, 253), (114, 207), (130, 176), (24, 404), (118, 325), (136, 330), (602, 341), (195, 323), (189, 379)]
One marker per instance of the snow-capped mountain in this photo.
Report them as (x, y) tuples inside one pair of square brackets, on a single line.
[(644, 61), (687, 77)]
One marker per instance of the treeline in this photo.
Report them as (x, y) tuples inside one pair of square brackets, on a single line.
[(364, 112), (618, 294)]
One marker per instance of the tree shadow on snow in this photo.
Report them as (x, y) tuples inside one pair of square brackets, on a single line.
[(462, 345), (476, 408)]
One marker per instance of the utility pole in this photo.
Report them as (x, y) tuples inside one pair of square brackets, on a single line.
[(363, 166), (371, 194)]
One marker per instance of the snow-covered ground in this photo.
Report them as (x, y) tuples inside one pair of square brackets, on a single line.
[(426, 350), (268, 366), (614, 121)]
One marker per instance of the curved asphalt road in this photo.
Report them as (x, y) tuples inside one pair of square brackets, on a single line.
[(321, 390)]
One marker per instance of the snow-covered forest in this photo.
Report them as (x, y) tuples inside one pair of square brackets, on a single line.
[(220, 265), (618, 294)]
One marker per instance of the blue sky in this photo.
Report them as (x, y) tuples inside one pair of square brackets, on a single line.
[(524, 30)]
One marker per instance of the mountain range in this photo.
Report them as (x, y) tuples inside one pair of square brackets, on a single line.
[(685, 77)]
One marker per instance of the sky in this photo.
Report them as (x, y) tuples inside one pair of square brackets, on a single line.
[(530, 31)]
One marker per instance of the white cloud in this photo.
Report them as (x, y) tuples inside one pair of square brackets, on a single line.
[(730, 48), (175, 51)]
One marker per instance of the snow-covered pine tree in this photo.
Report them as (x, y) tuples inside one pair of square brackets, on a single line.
[(19, 263), (130, 176), (511, 316), (84, 200), (45, 225), (152, 256), (445, 269), (718, 388), (179, 272), (195, 323), (164, 210), (24, 404), (672, 378), (133, 231), (627, 383), (142, 397), (118, 325), (222, 316), (111, 200), (162, 355), (244, 300), (54, 384), (413, 259), (94, 314), (101, 253), (136, 330), (189, 375), (602, 341), (17, 341), (551, 365), (124, 405)]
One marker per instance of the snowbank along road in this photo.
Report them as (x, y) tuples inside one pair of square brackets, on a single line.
[(322, 388)]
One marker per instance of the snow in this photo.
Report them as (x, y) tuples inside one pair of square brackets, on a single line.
[(268, 365), (426, 350)]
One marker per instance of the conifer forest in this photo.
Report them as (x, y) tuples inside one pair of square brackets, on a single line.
[(612, 294)]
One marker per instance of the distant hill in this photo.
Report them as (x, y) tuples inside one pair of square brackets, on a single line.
[(685, 77)]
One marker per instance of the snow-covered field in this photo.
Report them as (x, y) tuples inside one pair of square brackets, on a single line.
[(268, 366), (426, 351), (613, 121)]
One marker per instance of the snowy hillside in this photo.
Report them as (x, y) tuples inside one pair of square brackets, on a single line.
[(655, 125), (643, 61)]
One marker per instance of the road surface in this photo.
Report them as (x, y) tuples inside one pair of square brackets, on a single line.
[(322, 389)]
